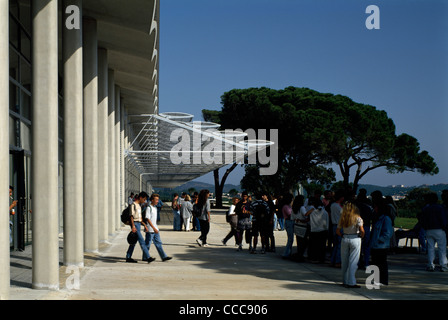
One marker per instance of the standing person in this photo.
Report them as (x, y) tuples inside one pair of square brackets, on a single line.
[(153, 233), (176, 212), (186, 211), (445, 204), (319, 220), (270, 227), (194, 200), (136, 224), (366, 212), (350, 228), (244, 226), (12, 212), (159, 209), (260, 214), (303, 221), (204, 218), (181, 218), (335, 215), (300, 225), (382, 231), (131, 198), (278, 211), (434, 221), (232, 219), (289, 224)]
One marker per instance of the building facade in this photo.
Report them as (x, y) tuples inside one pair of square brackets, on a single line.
[(73, 73), (80, 127)]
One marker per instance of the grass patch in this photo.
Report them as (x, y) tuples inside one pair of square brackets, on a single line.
[(405, 223)]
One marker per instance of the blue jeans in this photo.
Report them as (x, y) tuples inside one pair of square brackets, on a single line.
[(350, 253), (141, 241), (289, 227), (176, 220), (336, 253), (155, 238), (439, 236), (281, 223)]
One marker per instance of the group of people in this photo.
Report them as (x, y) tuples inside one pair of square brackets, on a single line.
[(253, 220), (357, 230), (184, 213)]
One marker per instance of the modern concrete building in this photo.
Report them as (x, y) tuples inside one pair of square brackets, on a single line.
[(80, 126)]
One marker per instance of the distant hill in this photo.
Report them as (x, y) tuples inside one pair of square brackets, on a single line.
[(198, 186), (386, 191), (402, 191)]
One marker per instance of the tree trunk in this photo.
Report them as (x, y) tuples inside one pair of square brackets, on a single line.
[(219, 185)]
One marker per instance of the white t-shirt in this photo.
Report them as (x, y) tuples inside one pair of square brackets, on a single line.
[(151, 214), (336, 212)]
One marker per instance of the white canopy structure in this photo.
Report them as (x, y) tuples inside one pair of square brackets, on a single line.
[(172, 149)]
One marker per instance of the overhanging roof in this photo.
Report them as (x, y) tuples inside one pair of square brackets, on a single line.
[(129, 31), (176, 149)]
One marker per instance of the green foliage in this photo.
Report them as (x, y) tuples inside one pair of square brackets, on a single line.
[(317, 129)]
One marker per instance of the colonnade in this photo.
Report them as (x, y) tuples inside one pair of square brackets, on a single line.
[(95, 137)]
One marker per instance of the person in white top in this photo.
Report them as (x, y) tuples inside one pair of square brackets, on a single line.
[(351, 229), (232, 219), (153, 234)]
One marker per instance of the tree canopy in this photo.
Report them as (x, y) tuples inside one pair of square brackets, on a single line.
[(318, 129)]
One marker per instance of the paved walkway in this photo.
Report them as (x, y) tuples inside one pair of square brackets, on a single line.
[(219, 272)]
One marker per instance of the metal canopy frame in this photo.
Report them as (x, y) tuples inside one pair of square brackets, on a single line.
[(172, 149)]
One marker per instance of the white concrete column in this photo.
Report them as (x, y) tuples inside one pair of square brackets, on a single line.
[(103, 145), (124, 196), (5, 277), (90, 75), (111, 154), (117, 157), (73, 142), (45, 144)]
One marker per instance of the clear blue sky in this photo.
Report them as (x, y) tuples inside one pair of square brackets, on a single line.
[(208, 47)]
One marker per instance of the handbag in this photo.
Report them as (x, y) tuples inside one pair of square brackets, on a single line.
[(300, 229)]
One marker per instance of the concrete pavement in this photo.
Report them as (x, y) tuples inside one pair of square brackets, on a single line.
[(218, 272)]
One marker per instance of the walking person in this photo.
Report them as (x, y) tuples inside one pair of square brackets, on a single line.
[(186, 211), (350, 228), (153, 233), (136, 224), (232, 219), (204, 218), (380, 236)]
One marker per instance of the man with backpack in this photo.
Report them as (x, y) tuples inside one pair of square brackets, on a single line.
[(260, 220), (136, 222)]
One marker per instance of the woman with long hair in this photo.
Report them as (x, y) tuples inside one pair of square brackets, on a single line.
[(350, 228), (204, 218)]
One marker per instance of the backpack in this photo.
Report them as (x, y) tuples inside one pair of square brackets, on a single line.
[(126, 216), (197, 211)]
